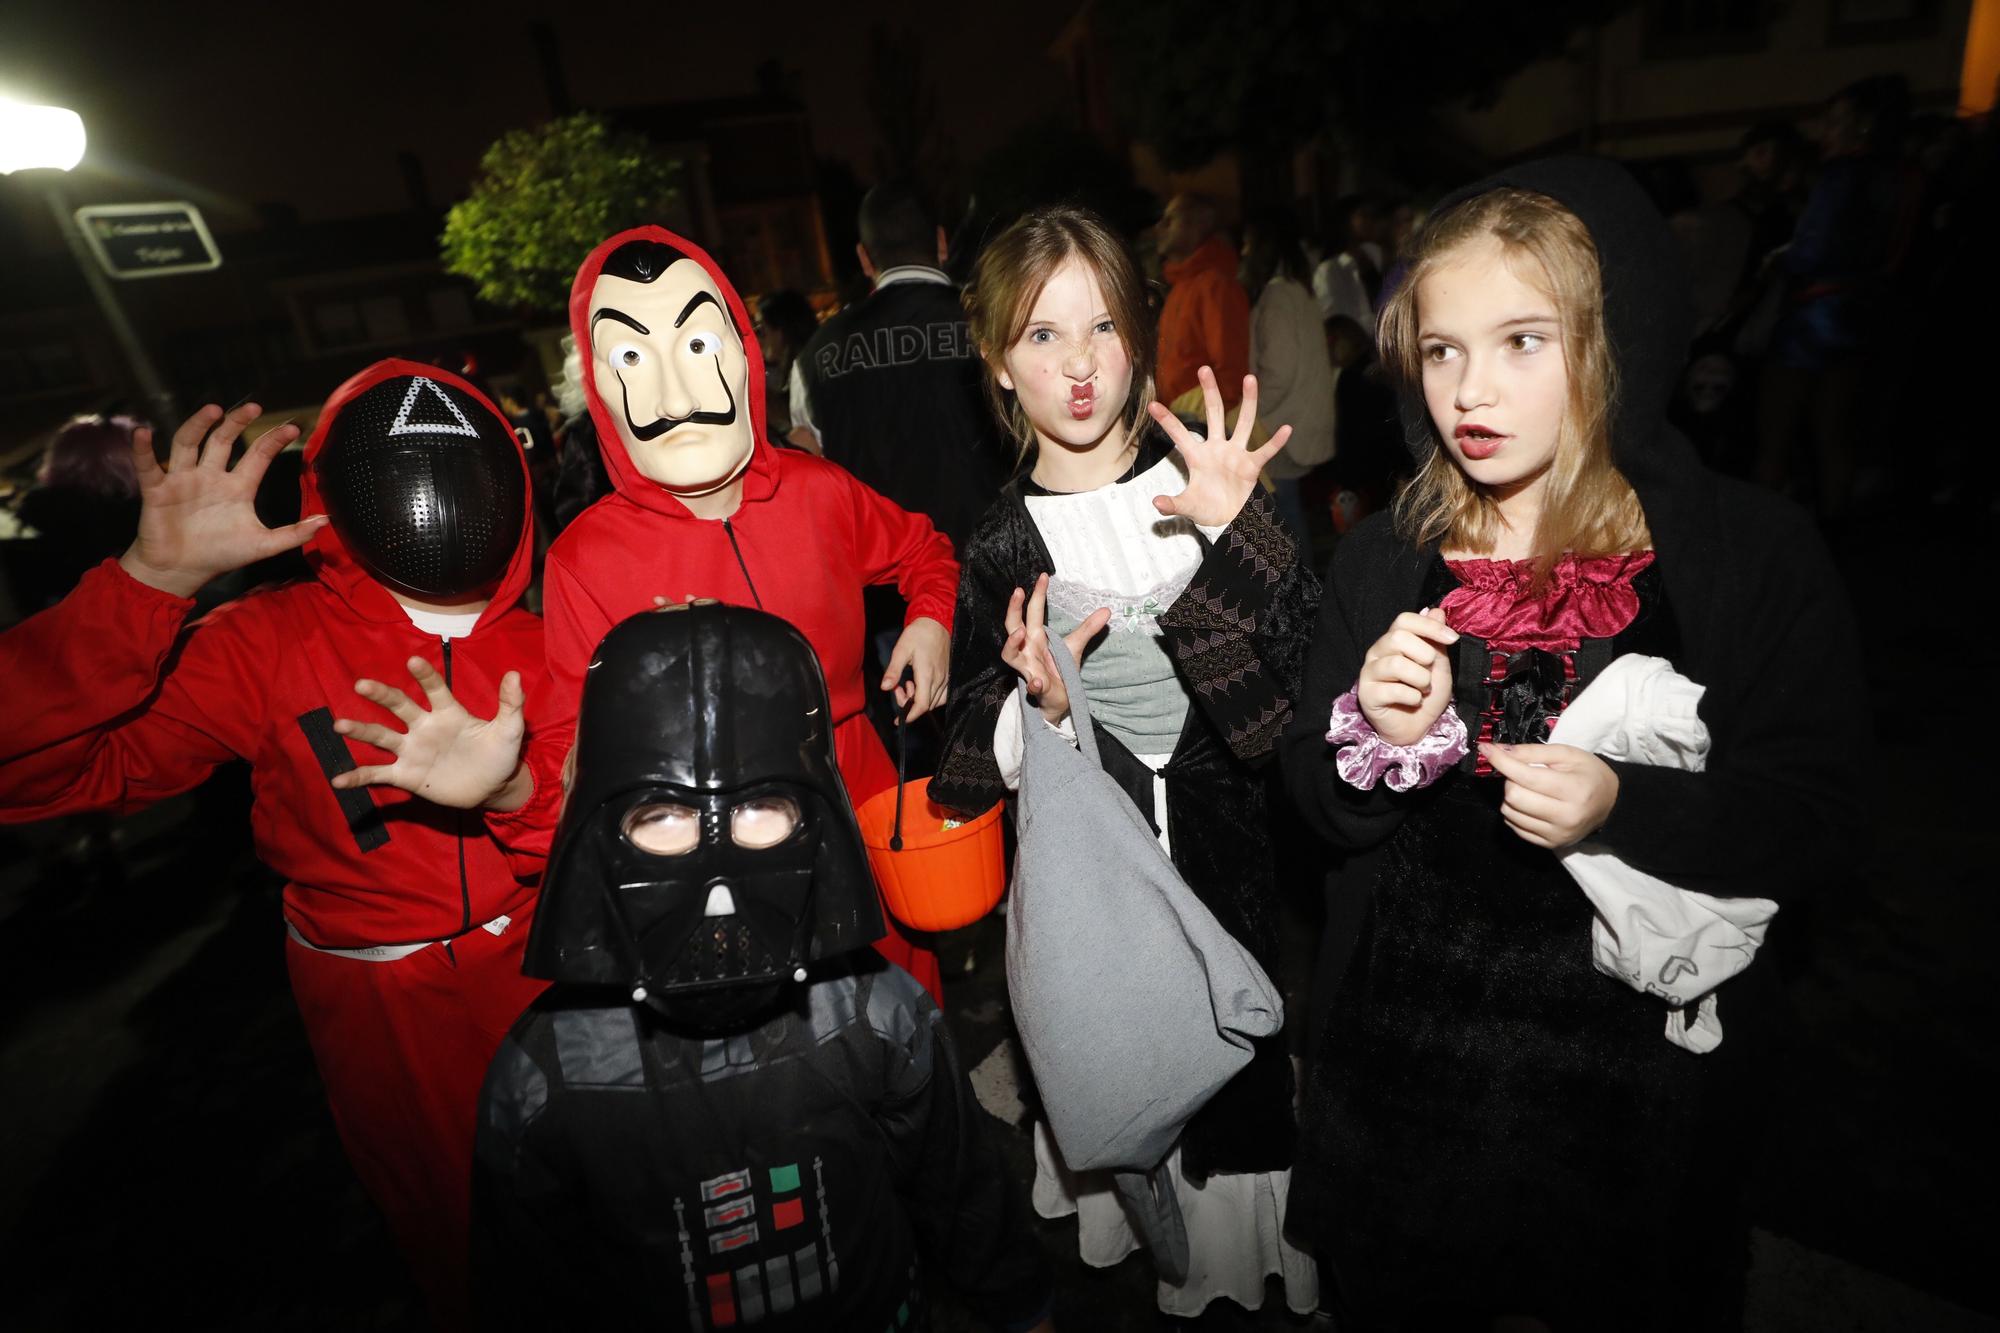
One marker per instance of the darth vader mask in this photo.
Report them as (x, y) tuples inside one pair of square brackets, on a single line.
[(707, 852), (424, 487)]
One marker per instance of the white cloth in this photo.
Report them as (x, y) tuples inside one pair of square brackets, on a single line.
[(1235, 1230), (1294, 376), (444, 624), (889, 277), (389, 953), (1110, 548), (801, 401), (1338, 288), (1673, 943)]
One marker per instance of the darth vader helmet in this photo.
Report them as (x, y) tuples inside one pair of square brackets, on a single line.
[(424, 486), (707, 851)]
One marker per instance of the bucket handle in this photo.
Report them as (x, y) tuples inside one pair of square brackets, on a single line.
[(902, 758)]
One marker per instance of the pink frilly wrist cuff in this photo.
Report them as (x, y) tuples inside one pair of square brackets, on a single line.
[(1365, 759)]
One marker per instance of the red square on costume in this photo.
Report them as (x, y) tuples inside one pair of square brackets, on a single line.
[(788, 1213), (721, 1301)]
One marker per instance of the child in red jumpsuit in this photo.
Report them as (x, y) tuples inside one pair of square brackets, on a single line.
[(406, 921)]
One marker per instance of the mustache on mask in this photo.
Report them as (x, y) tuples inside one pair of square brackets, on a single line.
[(655, 429)]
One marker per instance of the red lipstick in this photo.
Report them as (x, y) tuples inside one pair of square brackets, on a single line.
[(1082, 400)]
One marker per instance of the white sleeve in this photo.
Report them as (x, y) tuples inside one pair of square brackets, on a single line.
[(801, 400), (1007, 743), (1349, 295), (1322, 292)]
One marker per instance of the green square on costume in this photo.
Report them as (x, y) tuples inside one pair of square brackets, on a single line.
[(784, 1179), (903, 1315)]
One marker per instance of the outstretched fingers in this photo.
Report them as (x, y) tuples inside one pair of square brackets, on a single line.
[(293, 535), (1246, 414), (222, 440), (432, 683), (144, 461), (388, 696), (368, 775), (1038, 607), (1170, 425), (1078, 639), (513, 698), (266, 447), (185, 451), (1015, 604), (1271, 446), (372, 733), (1211, 405)]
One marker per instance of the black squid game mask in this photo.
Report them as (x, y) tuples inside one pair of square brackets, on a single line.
[(707, 851), (424, 487)]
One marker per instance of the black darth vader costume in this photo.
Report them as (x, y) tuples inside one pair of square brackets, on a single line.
[(727, 1111)]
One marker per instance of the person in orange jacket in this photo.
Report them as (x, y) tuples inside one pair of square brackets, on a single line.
[(1206, 319)]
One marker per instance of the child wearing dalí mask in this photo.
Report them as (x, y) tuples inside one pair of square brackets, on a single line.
[(1493, 1127)]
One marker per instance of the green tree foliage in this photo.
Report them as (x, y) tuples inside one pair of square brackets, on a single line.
[(1193, 77), (544, 197)]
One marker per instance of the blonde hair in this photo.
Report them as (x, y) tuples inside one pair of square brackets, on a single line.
[(1588, 507), (1009, 278)]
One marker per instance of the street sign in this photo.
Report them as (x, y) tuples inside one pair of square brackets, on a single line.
[(148, 240)]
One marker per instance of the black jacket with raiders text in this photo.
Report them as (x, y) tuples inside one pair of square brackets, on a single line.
[(897, 396)]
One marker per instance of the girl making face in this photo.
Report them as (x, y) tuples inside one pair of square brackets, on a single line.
[(1123, 534), (1071, 373)]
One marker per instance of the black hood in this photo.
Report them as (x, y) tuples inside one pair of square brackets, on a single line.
[(697, 714), (1646, 311)]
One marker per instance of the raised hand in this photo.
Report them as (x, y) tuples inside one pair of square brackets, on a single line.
[(198, 516), (1222, 467), (445, 755), (925, 648), (1027, 647), (1405, 679), (1557, 795)]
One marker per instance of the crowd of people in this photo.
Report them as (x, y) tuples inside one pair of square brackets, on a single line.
[(611, 1019)]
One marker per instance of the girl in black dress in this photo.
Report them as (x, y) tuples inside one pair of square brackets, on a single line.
[(1154, 552), (1492, 1127)]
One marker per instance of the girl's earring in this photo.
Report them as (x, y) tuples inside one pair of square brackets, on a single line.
[(1006, 381)]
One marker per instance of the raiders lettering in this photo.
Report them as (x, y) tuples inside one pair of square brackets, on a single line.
[(901, 346)]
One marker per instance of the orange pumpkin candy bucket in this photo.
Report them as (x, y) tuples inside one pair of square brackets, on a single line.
[(935, 872)]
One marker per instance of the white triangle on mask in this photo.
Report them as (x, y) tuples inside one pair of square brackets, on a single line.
[(404, 426)]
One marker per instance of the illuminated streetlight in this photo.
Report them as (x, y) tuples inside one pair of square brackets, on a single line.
[(48, 141), (39, 136)]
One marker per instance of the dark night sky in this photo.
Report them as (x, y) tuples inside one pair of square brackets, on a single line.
[(232, 103)]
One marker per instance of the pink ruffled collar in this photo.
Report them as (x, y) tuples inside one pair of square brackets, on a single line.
[(1589, 598)]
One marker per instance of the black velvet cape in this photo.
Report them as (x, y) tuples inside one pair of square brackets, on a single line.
[(1760, 620), (1237, 637)]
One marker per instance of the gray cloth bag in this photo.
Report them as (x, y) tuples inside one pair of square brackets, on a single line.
[(1133, 1004)]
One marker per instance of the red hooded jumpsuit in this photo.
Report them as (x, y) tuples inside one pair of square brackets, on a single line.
[(806, 540), (100, 713)]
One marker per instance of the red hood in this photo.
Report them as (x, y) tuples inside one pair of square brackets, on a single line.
[(762, 478), (1212, 254), (327, 554)]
